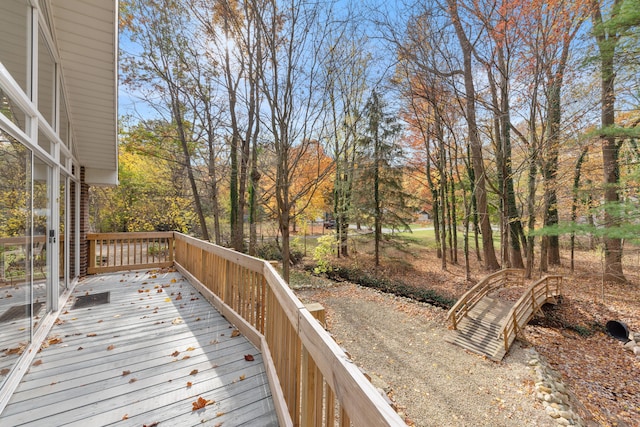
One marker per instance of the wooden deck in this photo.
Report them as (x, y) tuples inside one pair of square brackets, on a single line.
[(143, 357)]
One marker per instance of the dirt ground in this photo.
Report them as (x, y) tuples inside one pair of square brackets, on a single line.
[(602, 377)]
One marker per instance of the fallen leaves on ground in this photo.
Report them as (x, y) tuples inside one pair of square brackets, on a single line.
[(600, 374), (125, 373), (248, 358), (235, 333), (201, 403), (37, 362), (194, 372), (111, 347)]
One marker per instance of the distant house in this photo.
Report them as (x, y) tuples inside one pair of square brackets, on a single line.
[(58, 135), (424, 216)]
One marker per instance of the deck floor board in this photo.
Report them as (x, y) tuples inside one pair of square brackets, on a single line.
[(143, 357)]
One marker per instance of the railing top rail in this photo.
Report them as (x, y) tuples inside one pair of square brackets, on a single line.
[(247, 261), (131, 236), (482, 283), (525, 299)]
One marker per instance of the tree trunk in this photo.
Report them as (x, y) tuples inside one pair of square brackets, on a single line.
[(607, 40), (177, 113), (574, 200), (490, 260)]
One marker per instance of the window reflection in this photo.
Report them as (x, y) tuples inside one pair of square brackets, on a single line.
[(46, 80), (10, 110), (15, 252)]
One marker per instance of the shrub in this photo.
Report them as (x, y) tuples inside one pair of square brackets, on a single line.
[(396, 287)]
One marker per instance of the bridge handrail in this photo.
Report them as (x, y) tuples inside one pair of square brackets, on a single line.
[(531, 301), (499, 279)]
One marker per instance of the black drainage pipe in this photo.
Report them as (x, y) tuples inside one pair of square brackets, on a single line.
[(618, 330)]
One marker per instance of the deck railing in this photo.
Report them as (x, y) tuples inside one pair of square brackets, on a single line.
[(109, 252), (313, 382), (538, 294), (499, 279)]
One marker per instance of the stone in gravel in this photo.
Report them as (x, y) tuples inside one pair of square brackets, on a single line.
[(563, 422), (630, 345), (566, 414), (636, 350), (544, 389), (636, 337)]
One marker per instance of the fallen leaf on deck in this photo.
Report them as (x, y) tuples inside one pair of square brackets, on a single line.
[(53, 341), (4, 371), (140, 291), (218, 425), (92, 334), (159, 291), (194, 372), (125, 417), (132, 380), (173, 280), (213, 342), (190, 349), (189, 384), (151, 425), (177, 320), (66, 312), (154, 276), (175, 353), (242, 377), (111, 347), (100, 321), (16, 350), (235, 333), (219, 414), (125, 373), (186, 357), (80, 348), (37, 362), (167, 300), (248, 358), (179, 297), (201, 403)]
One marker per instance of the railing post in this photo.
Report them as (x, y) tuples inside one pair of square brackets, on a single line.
[(311, 405), (92, 255)]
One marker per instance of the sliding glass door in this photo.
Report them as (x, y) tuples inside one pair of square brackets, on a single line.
[(15, 252)]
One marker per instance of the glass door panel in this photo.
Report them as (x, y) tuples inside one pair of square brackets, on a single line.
[(15, 252), (42, 226), (62, 236)]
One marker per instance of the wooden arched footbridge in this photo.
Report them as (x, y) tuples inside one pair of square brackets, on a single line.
[(487, 324)]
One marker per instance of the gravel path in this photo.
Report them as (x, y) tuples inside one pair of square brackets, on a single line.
[(399, 343)]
